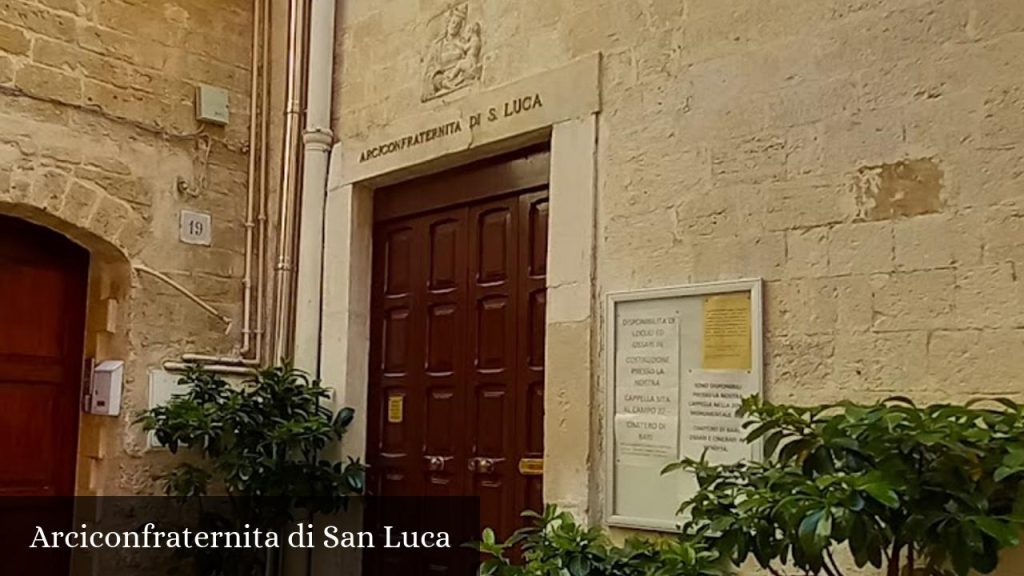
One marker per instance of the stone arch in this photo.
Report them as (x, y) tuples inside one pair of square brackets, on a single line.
[(100, 228), (101, 247), (107, 226)]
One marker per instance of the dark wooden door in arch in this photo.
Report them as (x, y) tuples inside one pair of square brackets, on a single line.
[(456, 397), (43, 291)]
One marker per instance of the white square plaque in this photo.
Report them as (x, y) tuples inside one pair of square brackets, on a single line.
[(196, 228)]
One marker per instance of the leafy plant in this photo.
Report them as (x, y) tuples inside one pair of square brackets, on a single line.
[(557, 546), (259, 444), (918, 491), (934, 491)]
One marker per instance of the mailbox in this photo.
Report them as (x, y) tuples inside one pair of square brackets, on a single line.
[(107, 381)]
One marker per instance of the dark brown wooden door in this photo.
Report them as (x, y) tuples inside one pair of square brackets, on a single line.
[(43, 282), (457, 354)]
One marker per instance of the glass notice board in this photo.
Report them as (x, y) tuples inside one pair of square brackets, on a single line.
[(678, 362)]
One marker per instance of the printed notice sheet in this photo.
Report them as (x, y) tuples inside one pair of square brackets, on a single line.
[(647, 389), (710, 423), (726, 332)]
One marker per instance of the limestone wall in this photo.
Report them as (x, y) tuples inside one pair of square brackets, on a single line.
[(864, 157), (96, 129)]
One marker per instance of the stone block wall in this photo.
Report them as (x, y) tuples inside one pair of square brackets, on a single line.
[(97, 130), (863, 157)]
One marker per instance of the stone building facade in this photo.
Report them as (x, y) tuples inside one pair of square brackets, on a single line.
[(861, 157), (99, 142)]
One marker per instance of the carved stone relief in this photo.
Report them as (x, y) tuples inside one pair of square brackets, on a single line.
[(452, 60)]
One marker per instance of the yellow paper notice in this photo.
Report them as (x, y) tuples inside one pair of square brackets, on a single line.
[(396, 409), (726, 332)]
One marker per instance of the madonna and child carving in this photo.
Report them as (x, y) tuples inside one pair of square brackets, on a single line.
[(453, 57)]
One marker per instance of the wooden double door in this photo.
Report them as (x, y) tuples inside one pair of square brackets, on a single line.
[(457, 354)]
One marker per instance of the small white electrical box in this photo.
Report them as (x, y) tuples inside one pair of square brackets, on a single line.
[(196, 228), (212, 104), (163, 385), (107, 383)]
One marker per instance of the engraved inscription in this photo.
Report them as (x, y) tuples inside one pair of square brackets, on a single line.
[(494, 114)]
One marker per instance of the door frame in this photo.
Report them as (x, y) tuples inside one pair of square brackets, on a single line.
[(571, 311), (515, 185)]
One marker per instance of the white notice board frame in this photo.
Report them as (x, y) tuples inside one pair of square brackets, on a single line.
[(625, 518)]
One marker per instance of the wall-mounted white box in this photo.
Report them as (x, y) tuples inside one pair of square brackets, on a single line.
[(212, 105), (163, 386), (107, 383)]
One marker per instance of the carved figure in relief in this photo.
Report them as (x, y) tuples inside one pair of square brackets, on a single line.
[(453, 60)]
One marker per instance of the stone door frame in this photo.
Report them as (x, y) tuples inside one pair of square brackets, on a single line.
[(569, 124)]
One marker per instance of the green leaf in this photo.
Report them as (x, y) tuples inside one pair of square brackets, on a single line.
[(960, 553), (771, 442), (796, 450), (673, 467), (1018, 504), (824, 530), (1003, 533), (986, 560), (1004, 472), (883, 493), (344, 418), (808, 532), (761, 430), (900, 400), (579, 566)]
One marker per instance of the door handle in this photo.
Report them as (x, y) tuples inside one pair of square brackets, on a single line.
[(482, 465), (437, 463), (531, 466)]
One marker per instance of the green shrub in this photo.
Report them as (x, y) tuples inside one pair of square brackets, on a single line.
[(557, 546), (262, 439), (932, 491), (921, 491), (259, 445)]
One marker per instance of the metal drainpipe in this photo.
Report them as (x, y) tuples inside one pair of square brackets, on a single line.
[(318, 139), (250, 196), (284, 301), (262, 226)]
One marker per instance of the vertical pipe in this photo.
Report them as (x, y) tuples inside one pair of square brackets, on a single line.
[(317, 140), (283, 303), (255, 146), (262, 210)]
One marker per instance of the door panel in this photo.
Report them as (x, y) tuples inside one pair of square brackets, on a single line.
[(418, 365), (23, 466), (493, 248), (395, 355), (457, 349), (443, 375), (532, 294)]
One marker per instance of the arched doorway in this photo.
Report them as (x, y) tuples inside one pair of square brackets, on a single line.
[(43, 292)]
